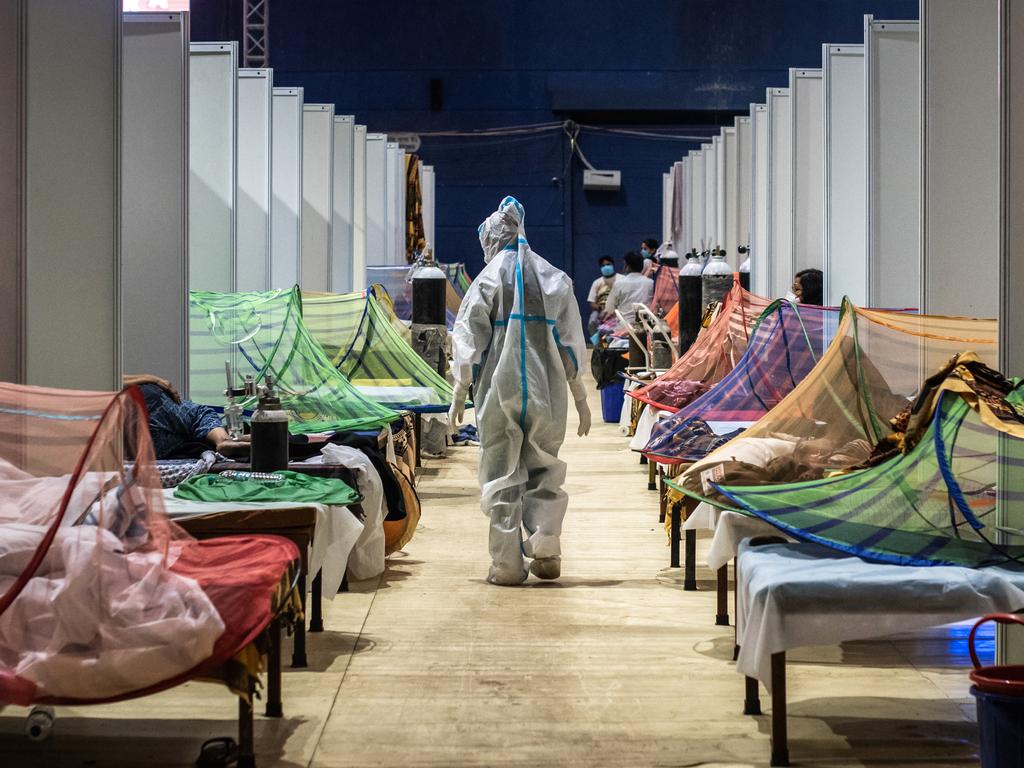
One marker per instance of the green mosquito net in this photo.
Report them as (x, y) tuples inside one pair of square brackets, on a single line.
[(357, 333), (260, 333)]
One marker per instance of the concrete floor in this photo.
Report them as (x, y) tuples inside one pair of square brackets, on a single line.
[(613, 665)]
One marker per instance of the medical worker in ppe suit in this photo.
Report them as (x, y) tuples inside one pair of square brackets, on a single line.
[(519, 337)]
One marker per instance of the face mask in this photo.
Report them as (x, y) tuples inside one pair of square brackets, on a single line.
[(645, 253), (607, 270), (790, 296)]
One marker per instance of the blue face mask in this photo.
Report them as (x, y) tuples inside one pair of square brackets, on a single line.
[(645, 253), (607, 270)]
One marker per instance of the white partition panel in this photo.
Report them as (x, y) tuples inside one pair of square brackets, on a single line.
[(780, 193), (759, 245), (728, 196), (808, 169), (666, 206), (697, 199), (253, 237), (845, 163), (213, 167), (744, 181), (154, 195), (286, 185), (394, 233), (344, 204), (60, 206), (376, 199), (359, 208), (427, 183), (893, 90), (720, 182), (710, 194), (960, 157), (683, 236), (317, 195)]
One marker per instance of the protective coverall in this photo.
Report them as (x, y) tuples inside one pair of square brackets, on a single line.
[(519, 337)]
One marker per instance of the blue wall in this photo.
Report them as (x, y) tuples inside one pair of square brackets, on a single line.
[(682, 66)]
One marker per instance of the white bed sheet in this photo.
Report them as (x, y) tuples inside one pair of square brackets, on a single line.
[(337, 530), (730, 528), (794, 595)]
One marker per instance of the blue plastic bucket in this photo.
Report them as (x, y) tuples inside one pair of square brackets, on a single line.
[(611, 402), (999, 693)]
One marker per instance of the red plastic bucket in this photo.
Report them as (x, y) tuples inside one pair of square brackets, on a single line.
[(999, 693)]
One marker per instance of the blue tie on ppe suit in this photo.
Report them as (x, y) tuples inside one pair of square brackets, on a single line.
[(519, 337)]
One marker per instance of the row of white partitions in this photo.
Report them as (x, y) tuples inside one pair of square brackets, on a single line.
[(135, 166), (881, 168)]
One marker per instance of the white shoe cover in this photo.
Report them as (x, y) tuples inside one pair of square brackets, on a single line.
[(546, 567), (505, 579)]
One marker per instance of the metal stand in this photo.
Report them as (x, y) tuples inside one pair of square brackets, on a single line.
[(751, 697), (662, 498), (652, 476), (675, 528), (690, 566)]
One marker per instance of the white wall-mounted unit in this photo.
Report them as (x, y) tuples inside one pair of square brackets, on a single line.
[(359, 208), (893, 90), (317, 195), (808, 173), (780, 193), (154, 195), (960, 157), (286, 185), (213, 166), (255, 131), (744, 181), (760, 248), (376, 199), (845, 166), (344, 204), (60, 154)]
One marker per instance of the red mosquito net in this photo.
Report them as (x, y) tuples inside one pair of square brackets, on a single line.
[(101, 596)]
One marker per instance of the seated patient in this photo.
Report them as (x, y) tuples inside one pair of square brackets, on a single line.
[(181, 428)]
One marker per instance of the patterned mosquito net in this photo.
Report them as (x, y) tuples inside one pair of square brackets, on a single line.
[(356, 332), (101, 596), (260, 333), (785, 344), (712, 355), (926, 498), (666, 289), (871, 370)]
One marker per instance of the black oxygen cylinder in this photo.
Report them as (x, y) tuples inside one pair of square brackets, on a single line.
[(691, 311), (745, 280), (269, 435), (428, 298)]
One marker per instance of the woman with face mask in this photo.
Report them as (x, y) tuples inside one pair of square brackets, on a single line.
[(599, 291), (648, 249)]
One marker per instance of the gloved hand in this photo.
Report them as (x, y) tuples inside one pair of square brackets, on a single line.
[(579, 395), (458, 406)]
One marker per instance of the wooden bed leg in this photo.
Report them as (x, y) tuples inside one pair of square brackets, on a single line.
[(274, 706), (662, 500), (751, 697), (690, 566), (316, 617), (299, 648), (246, 746), (652, 476), (780, 738), (643, 459), (677, 512), (722, 617), (343, 587)]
